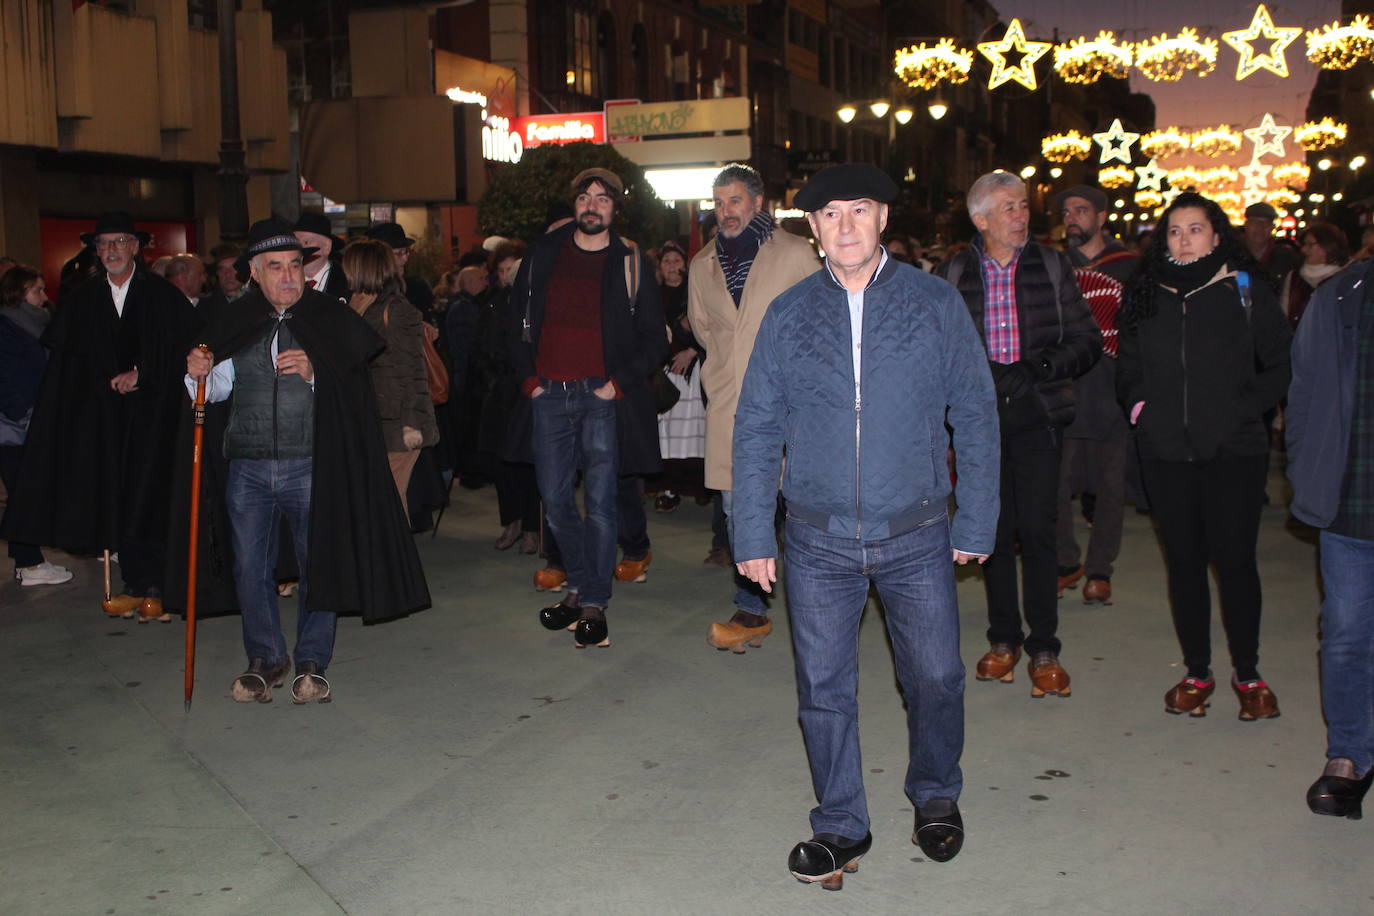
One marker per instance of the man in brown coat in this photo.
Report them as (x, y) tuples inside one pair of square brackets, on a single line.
[(732, 281)]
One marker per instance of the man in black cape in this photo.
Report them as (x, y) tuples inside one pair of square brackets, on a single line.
[(98, 459), (295, 434)]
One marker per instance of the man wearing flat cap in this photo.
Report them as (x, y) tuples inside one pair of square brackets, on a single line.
[(1277, 256), (322, 271), (855, 373), (98, 457), (296, 435), (1094, 454), (585, 332)]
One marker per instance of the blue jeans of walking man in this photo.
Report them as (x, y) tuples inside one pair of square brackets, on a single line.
[(1347, 566), (575, 429), (827, 579), (259, 494)]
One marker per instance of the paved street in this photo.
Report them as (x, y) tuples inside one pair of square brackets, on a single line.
[(474, 763)]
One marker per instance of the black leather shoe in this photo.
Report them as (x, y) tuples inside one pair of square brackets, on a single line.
[(559, 616), (1339, 797), (821, 861), (939, 829), (592, 632)]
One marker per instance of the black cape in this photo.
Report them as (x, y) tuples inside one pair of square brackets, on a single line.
[(362, 559), (97, 464)]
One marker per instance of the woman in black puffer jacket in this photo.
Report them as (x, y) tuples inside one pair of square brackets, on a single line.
[(1203, 354)]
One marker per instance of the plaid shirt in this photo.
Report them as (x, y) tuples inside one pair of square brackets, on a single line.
[(1356, 516), (1000, 327)]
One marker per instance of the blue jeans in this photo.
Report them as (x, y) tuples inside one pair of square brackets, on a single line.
[(1347, 646), (575, 430), (827, 580), (259, 494), (749, 597)]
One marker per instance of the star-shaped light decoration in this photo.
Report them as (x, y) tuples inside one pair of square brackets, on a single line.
[(1116, 143), (1014, 40), (1252, 196), (1267, 147), (1150, 175), (1255, 174), (1169, 195), (1279, 38)]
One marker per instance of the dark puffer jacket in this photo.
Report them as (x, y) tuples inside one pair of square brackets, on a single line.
[(1059, 338), (1205, 371)]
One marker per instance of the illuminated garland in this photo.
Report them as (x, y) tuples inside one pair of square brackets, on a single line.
[(1262, 27), (1160, 144), (1146, 198), (1065, 147), (1319, 135), (1227, 200), (1084, 62), (925, 66), (1293, 174), (1283, 197), (1212, 142), (1216, 179), (1337, 47), (1116, 176), (1187, 178), (1166, 60)]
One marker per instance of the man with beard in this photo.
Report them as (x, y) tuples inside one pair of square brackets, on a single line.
[(302, 442), (732, 281), (1098, 434), (586, 330), (97, 463)]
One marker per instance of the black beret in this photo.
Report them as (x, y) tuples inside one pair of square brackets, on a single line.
[(851, 181), (1092, 195)]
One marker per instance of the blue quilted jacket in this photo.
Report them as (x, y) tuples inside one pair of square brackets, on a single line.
[(874, 466)]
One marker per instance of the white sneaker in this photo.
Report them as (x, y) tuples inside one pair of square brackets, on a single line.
[(44, 574)]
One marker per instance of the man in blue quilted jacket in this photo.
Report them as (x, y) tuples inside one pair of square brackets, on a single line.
[(854, 375)]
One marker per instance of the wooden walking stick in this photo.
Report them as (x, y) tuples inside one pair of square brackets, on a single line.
[(106, 603), (193, 547)]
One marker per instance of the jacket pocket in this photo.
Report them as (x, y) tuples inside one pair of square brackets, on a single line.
[(1020, 414)]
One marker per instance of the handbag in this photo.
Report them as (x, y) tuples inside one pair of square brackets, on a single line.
[(436, 373), (666, 394)]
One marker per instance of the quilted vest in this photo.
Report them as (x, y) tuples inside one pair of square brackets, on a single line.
[(273, 416)]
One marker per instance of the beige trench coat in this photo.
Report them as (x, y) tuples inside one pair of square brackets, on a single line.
[(728, 333)]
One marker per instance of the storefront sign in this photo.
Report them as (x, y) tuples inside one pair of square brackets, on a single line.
[(536, 130), (661, 119)]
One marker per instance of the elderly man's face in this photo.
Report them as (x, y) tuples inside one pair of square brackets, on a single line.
[(735, 207), (849, 230), (116, 251), (281, 276), (1006, 222), (506, 270), (228, 277), (321, 257), (1258, 231), (190, 280), (1082, 221)]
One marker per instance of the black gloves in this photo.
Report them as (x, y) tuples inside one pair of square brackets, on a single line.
[(1016, 379)]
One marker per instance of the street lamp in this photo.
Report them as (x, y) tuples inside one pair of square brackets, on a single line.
[(847, 113), (879, 108), (1028, 172), (1056, 172), (1324, 164), (903, 115), (937, 109), (1357, 163)]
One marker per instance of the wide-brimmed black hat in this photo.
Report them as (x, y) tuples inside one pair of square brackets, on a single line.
[(391, 233), (270, 235), (318, 223), (851, 181), (115, 221)]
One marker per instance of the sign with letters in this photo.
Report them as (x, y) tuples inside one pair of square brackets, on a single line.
[(690, 116)]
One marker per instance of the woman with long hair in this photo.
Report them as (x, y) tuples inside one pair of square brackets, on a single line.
[(1324, 252), (398, 372), (1203, 355)]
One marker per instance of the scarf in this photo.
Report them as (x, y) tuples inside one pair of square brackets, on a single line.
[(1316, 274), (1187, 277), (31, 318), (737, 254)]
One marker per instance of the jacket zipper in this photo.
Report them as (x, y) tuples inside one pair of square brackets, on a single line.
[(858, 429), (276, 379)]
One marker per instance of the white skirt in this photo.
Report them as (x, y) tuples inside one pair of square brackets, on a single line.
[(682, 430)]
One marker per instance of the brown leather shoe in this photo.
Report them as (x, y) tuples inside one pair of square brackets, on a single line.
[(1048, 676), (151, 609), (718, 557), (1097, 591), (509, 535), (121, 606), (1070, 581), (1257, 701), (634, 570), (1190, 695), (734, 635), (999, 663), (549, 579)]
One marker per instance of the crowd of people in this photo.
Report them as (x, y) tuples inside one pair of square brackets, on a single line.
[(886, 410)]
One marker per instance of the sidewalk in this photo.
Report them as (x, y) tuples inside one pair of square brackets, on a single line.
[(474, 763)]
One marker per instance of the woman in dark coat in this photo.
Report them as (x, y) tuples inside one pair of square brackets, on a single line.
[(398, 372), (681, 428), (1203, 355)]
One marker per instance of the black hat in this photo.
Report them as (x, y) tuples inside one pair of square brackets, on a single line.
[(1261, 210), (270, 235), (1092, 195), (115, 221), (851, 181), (318, 223), (391, 233)]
